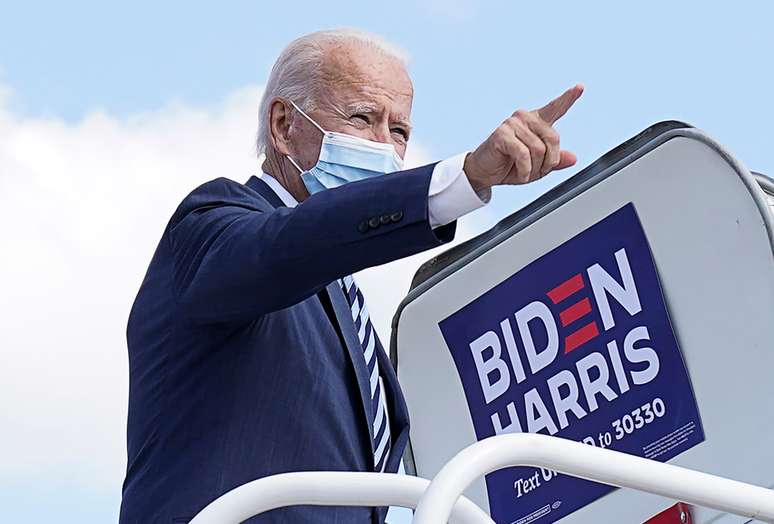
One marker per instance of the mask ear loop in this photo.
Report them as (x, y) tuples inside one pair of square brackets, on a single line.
[(315, 124), (294, 164)]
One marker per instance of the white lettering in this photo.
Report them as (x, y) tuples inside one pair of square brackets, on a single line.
[(564, 404), (603, 284), (513, 352), (491, 390), (514, 426), (591, 388), (618, 369), (532, 403), (642, 354), (524, 486), (538, 311)]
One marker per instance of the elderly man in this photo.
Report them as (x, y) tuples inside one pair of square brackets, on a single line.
[(250, 345)]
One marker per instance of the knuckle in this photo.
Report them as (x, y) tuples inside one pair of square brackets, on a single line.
[(521, 114), (500, 135), (525, 168), (522, 153), (552, 137)]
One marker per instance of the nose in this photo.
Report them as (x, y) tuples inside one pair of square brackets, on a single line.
[(381, 132)]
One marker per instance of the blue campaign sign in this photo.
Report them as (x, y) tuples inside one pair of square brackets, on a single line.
[(578, 344)]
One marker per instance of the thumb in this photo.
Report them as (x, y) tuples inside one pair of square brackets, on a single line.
[(566, 159)]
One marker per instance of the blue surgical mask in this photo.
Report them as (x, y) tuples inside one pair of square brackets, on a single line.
[(346, 158)]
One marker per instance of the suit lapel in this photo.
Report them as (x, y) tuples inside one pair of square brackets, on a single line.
[(346, 326), (399, 417), (343, 322)]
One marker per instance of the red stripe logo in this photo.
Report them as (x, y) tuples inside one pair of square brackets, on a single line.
[(573, 312)]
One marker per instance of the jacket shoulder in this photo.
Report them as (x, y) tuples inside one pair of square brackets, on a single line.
[(220, 192)]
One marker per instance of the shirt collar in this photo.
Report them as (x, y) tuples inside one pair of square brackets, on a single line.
[(280, 191)]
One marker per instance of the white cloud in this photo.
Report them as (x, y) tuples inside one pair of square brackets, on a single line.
[(83, 206)]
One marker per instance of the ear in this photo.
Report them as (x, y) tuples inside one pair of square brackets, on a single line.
[(279, 125)]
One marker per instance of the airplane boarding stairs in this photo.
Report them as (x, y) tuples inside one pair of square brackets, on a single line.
[(689, 199)]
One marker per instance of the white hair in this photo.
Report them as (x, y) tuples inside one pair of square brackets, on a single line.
[(295, 75)]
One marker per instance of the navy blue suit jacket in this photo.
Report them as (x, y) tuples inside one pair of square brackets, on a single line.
[(243, 357)]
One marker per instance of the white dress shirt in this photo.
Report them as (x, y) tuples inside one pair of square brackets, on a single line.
[(450, 195)]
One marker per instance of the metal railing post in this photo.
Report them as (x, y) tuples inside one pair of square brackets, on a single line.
[(591, 463), (327, 488)]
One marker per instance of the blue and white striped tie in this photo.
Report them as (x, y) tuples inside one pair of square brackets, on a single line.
[(367, 336)]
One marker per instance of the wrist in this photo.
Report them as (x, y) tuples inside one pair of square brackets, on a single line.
[(477, 181)]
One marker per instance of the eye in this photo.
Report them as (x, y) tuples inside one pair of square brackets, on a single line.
[(361, 117), (400, 131)]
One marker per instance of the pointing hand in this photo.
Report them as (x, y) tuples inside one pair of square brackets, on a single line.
[(524, 148)]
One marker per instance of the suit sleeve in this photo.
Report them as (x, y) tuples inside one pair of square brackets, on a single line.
[(236, 262)]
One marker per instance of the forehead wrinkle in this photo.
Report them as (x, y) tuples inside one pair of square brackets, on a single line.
[(344, 76)]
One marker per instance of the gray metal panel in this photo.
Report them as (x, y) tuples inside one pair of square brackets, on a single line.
[(435, 269), (767, 184), (735, 197)]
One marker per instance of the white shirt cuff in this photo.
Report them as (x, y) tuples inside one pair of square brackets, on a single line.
[(451, 195)]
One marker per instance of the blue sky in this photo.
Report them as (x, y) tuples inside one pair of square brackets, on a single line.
[(472, 62), (140, 84)]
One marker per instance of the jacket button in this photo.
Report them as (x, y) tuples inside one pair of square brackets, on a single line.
[(363, 227), (373, 222), (384, 219), (397, 217)]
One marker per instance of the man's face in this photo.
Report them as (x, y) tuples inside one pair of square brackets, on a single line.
[(363, 93)]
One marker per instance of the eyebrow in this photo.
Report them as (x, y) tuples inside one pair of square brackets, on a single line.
[(362, 107), (369, 108)]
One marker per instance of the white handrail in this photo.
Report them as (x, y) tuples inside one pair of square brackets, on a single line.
[(592, 463), (327, 488)]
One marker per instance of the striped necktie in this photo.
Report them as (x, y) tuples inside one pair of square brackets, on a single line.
[(367, 336)]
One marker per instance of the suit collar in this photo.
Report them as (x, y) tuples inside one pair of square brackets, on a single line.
[(259, 185)]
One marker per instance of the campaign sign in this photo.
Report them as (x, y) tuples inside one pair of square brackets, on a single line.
[(578, 344)]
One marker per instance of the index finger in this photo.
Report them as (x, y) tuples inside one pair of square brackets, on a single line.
[(556, 108)]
